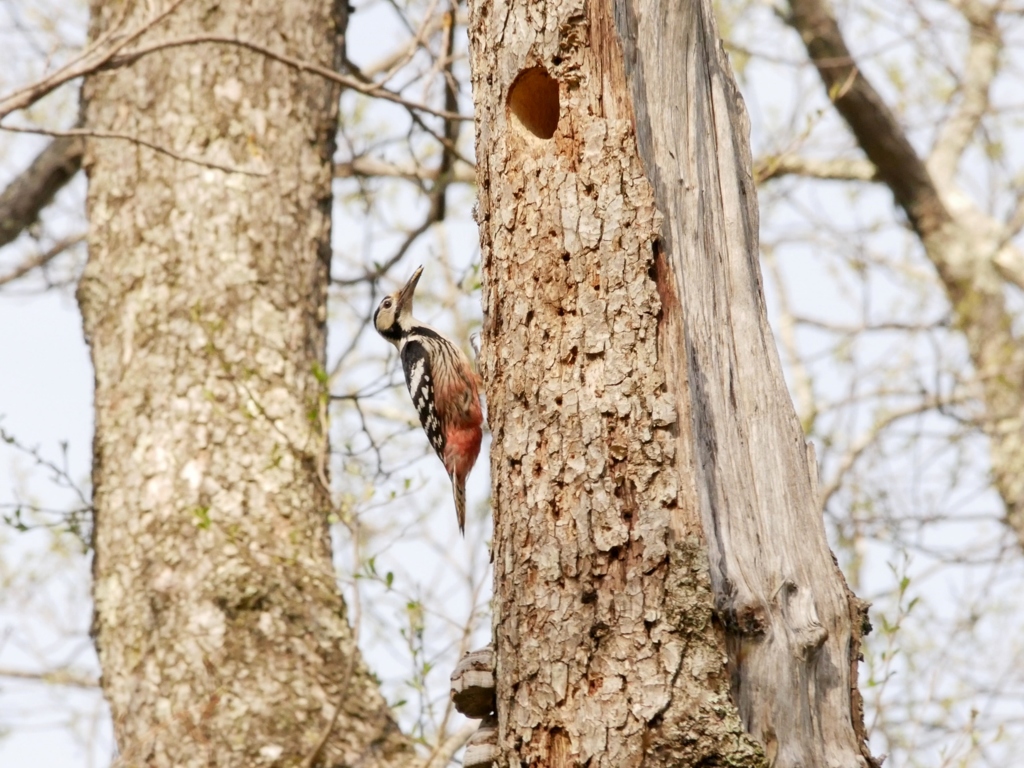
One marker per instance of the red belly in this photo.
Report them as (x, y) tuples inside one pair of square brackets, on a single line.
[(461, 449)]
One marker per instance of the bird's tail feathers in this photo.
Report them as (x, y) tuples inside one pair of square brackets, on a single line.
[(459, 493)]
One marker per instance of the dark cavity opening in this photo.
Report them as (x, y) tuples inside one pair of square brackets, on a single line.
[(533, 102)]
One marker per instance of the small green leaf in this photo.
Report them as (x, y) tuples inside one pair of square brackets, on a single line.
[(320, 374), (201, 517)]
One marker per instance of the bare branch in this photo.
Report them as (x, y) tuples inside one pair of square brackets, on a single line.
[(967, 248), (841, 169), (855, 330), (95, 57), (927, 403), (445, 751), (66, 677), (443, 175), (105, 55), (39, 259), (398, 58), (979, 72), (35, 187), (352, 83), (72, 133), (884, 141), (1009, 262), (462, 173), (873, 124), (433, 216), (1016, 222)]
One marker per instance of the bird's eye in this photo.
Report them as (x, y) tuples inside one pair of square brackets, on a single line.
[(386, 303)]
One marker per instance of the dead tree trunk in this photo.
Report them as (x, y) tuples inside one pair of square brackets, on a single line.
[(221, 632), (665, 595)]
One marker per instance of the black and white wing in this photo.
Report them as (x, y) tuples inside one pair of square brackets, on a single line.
[(419, 377)]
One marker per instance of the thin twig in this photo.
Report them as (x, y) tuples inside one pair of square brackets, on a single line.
[(929, 403), (39, 259), (463, 173), (96, 134), (370, 89), (65, 677), (92, 59), (372, 275)]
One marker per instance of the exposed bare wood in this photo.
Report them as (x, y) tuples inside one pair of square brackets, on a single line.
[(793, 628)]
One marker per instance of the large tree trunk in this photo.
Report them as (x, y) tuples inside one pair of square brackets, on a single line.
[(221, 632), (664, 589)]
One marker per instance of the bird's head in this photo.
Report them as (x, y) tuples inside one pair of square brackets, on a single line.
[(393, 318)]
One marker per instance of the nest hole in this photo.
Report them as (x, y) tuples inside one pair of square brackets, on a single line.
[(533, 102)]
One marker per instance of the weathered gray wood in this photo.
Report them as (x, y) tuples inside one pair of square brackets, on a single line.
[(663, 583), (777, 589), (221, 632)]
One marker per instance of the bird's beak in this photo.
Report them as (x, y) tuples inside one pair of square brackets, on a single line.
[(405, 295)]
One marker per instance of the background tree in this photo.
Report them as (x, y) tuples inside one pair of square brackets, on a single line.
[(921, 334), (221, 632)]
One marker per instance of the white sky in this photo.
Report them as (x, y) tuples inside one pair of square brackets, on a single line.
[(45, 398)]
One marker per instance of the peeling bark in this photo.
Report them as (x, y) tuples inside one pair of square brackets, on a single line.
[(221, 632), (664, 590)]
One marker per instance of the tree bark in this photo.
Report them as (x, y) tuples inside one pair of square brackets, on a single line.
[(665, 595), (222, 635)]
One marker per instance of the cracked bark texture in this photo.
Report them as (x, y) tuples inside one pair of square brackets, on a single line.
[(664, 593), (222, 635)]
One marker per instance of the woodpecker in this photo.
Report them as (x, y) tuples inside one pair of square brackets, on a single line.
[(443, 385)]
